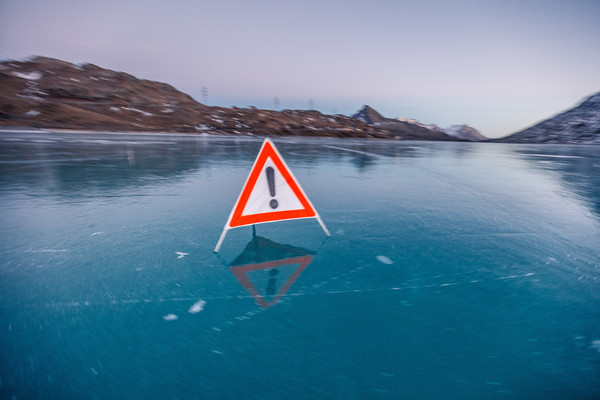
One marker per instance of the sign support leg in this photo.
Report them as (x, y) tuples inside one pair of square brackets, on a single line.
[(220, 242), (323, 226)]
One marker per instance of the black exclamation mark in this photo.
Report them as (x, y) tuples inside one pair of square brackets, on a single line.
[(271, 179)]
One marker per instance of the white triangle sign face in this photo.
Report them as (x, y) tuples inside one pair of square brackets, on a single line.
[(271, 193)]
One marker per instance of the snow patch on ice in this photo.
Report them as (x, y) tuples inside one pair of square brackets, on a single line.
[(197, 307), (384, 260), (170, 317), (181, 254)]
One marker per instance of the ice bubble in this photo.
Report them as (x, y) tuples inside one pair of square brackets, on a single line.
[(197, 307), (170, 317), (384, 259)]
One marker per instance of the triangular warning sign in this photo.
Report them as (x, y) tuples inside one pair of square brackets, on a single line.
[(271, 193)]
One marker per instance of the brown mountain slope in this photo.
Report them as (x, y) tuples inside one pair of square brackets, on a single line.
[(53, 94)]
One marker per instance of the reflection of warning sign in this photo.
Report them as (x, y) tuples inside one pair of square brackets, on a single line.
[(267, 269), (271, 193), (267, 282)]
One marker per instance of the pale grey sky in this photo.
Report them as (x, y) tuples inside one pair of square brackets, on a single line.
[(496, 65)]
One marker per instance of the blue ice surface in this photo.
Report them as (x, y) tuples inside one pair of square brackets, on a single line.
[(454, 270)]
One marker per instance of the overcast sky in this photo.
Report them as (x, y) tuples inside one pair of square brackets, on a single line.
[(498, 66)]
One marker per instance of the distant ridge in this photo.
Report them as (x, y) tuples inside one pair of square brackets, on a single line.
[(465, 132), (47, 93), (400, 129), (369, 116), (578, 125)]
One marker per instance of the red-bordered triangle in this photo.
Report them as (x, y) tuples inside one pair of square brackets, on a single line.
[(269, 152), (295, 204), (241, 274)]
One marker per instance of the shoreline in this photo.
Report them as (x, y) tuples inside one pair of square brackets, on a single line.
[(251, 136)]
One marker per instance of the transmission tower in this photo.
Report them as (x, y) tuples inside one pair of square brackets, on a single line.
[(204, 95)]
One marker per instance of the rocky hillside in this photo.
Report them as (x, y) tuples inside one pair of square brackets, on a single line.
[(53, 94), (400, 128), (369, 116), (579, 125)]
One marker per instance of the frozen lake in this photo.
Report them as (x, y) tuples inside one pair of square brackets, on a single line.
[(454, 271)]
